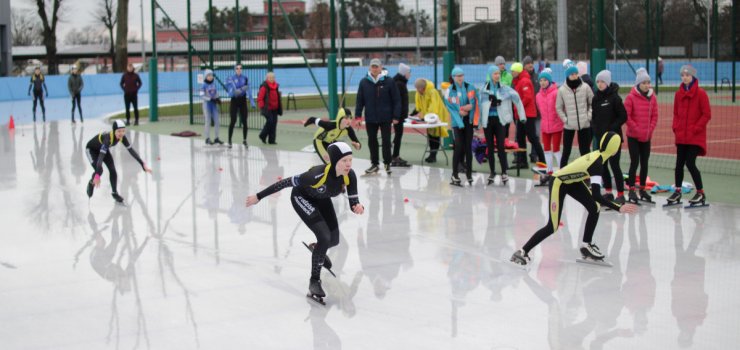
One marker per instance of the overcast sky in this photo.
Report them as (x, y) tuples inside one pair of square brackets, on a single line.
[(79, 12)]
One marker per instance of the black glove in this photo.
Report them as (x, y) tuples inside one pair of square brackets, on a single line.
[(309, 121), (494, 100)]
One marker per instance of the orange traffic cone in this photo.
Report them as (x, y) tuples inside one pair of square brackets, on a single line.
[(11, 124)]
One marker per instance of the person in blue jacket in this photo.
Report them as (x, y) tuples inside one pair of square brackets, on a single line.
[(461, 100), (239, 91), (211, 100), (378, 96), (38, 85)]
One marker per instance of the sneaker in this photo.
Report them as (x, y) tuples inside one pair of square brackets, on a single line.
[(520, 257), (590, 250), (431, 159), (388, 169), (217, 141), (373, 169), (117, 197)]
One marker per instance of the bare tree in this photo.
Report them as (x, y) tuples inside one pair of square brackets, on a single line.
[(105, 14), (318, 27), (89, 35), (121, 53), (26, 28), (50, 11)]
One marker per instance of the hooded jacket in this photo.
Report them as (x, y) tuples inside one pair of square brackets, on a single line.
[(574, 106), (642, 114), (431, 102), (268, 97), (546, 100), (691, 114), (453, 96), (75, 84), (508, 97), (130, 83), (608, 111), (525, 89), (379, 98), (403, 92)]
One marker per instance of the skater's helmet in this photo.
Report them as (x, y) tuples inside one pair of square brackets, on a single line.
[(609, 145), (118, 124), (431, 118), (337, 151)]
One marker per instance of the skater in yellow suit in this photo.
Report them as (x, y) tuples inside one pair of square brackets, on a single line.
[(571, 180), (331, 131)]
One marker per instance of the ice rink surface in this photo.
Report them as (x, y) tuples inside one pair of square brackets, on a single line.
[(186, 266)]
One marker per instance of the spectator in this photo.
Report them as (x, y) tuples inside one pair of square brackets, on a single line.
[(506, 77), (38, 85), (428, 101), (660, 71), (642, 117), (574, 108), (462, 102), (552, 126), (529, 67), (526, 130), (401, 79), (271, 107), (239, 91), (75, 85), (130, 84), (378, 97), (609, 115), (211, 101), (583, 73)]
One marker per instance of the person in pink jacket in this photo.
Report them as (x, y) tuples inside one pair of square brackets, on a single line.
[(642, 117), (551, 124)]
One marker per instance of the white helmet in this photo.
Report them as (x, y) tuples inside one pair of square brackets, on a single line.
[(431, 118)]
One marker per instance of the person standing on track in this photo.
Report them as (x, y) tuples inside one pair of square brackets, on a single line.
[(38, 85), (642, 118), (75, 85), (574, 108), (239, 91), (130, 84), (609, 115)]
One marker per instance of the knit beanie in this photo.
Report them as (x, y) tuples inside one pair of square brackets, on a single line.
[(582, 68), (689, 69), (567, 62), (404, 69), (642, 76), (207, 73), (527, 60), (517, 67), (570, 69), (546, 75), (499, 60), (605, 76), (457, 71)]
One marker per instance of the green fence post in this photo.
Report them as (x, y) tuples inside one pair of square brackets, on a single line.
[(190, 68), (153, 103)]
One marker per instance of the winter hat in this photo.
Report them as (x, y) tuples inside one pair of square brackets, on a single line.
[(457, 71), (337, 151), (119, 124), (582, 68), (546, 75), (642, 76), (570, 69), (499, 60), (404, 69), (375, 62), (527, 60), (207, 73), (491, 69), (517, 67), (567, 62), (547, 70), (605, 76), (689, 69)]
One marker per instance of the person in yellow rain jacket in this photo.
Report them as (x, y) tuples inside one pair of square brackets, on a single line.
[(428, 101)]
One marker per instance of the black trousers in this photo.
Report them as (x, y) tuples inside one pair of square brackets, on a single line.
[(238, 105), (639, 155), (686, 155), (270, 128), (92, 157), (319, 216), (495, 128), (613, 163), (397, 136), (529, 129), (584, 143), (131, 99), (385, 135), (77, 99), (434, 143), (463, 148), (578, 191), (38, 96)]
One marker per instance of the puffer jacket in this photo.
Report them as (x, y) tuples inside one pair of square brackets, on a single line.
[(642, 115), (574, 106), (546, 100), (608, 112), (691, 114), (525, 89)]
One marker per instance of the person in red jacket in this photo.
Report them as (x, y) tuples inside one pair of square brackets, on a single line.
[(270, 107), (523, 85), (691, 114), (642, 117)]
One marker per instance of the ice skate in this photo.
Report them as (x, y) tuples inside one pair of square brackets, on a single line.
[(520, 258), (327, 263), (590, 254), (218, 142), (90, 189), (245, 144), (315, 292), (504, 178), (632, 197), (228, 145), (372, 170), (470, 181), (645, 197), (208, 142), (673, 200), (491, 179), (455, 181), (118, 198), (431, 159), (400, 162), (388, 170), (620, 200), (699, 200)]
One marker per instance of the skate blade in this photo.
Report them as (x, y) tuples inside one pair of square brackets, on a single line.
[(317, 299), (673, 205), (647, 202), (695, 206), (456, 184), (603, 263)]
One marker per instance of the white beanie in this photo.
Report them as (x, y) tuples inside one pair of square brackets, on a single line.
[(642, 76), (582, 68), (605, 76), (567, 62), (404, 69)]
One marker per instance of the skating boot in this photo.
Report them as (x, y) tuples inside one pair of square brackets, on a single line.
[(633, 196), (90, 189), (520, 258), (673, 200), (315, 292), (373, 169), (400, 162), (118, 198), (620, 200), (645, 197), (504, 178), (431, 159), (590, 254), (388, 169), (609, 196), (455, 181), (208, 142), (470, 180), (245, 144), (699, 200), (491, 179), (544, 180), (228, 145), (327, 263), (309, 121), (218, 142)]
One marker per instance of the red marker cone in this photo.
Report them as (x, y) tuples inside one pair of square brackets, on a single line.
[(11, 124)]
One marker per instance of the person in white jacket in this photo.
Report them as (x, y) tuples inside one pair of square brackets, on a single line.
[(573, 106)]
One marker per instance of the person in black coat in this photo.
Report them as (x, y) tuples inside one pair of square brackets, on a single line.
[(609, 114), (378, 96), (401, 79)]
